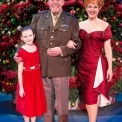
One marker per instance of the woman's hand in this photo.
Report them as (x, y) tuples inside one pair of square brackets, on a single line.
[(109, 75), (71, 44)]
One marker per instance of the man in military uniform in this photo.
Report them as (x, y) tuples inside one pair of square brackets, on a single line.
[(54, 28)]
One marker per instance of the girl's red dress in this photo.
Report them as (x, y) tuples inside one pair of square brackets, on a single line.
[(34, 101)]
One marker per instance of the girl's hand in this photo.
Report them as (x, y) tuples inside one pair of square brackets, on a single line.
[(71, 44), (109, 75), (21, 92)]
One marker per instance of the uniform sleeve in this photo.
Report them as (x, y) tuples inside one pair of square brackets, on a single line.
[(107, 34), (75, 34), (74, 37), (34, 24)]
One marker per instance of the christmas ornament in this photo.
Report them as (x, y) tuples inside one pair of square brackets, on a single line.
[(85, 16), (105, 19), (120, 25), (16, 45), (18, 15), (8, 14), (72, 12), (113, 18), (4, 61), (9, 87), (13, 31), (25, 15), (3, 90), (9, 74), (72, 104), (120, 34), (117, 43), (19, 28), (2, 32), (5, 38), (118, 8), (9, 23), (4, 53), (3, 7), (7, 61), (9, 33), (77, 9), (13, 1), (74, 82), (22, 4), (3, 20), (80, 19), (81, 3), (3, 44), (13, 21), (114, 31)]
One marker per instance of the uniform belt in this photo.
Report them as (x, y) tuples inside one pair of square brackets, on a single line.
[(32, 67)]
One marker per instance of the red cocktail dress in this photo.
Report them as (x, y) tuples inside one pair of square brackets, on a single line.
[(92, 66)]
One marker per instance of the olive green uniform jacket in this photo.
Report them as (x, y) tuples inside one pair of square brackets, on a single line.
[(47, 36)]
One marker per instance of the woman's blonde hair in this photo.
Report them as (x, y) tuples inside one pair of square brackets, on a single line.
[(100, 3)]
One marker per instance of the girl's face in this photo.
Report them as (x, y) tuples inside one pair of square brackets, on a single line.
[(28, 36), (92, 10)]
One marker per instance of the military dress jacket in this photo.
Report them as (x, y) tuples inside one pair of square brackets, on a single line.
[(47, 36)]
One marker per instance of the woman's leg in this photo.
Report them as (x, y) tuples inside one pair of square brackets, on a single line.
[(33, 119), (26, 119), (92, 112)]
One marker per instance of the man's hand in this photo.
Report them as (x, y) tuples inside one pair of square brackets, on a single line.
[(56, 51), (17, 59)]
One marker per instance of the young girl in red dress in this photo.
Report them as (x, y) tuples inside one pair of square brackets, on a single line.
[(30, 99)]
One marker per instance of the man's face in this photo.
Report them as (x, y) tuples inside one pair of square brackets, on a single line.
[(55, 5)]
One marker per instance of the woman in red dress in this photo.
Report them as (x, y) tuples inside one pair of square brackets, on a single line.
[(94, 67), (30, 99)]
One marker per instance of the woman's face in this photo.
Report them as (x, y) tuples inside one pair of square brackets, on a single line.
[(92, 10)]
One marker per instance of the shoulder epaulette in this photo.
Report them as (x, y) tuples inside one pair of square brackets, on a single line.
[(70, 14), (41, 12)]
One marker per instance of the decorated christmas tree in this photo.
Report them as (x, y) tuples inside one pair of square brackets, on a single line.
[(14, 13)]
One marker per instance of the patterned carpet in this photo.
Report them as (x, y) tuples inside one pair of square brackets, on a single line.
[(111, 113)]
